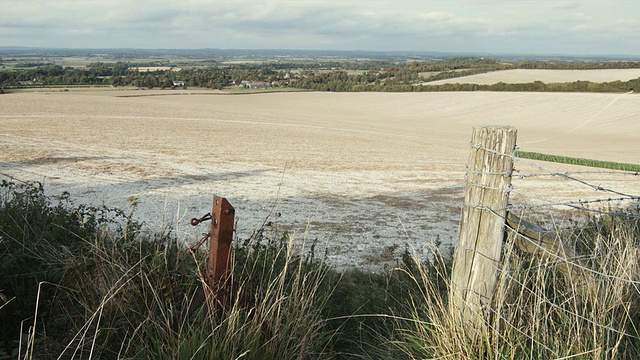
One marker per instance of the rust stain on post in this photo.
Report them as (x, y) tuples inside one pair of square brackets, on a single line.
[(222, 220), (218, 272)]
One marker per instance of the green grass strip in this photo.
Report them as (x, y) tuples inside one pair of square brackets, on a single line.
[(578, 161)]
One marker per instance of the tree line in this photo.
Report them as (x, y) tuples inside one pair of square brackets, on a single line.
[(536, 86), (373, 75)]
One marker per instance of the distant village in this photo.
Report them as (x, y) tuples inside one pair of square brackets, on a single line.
[(243, 84), (246, 84)]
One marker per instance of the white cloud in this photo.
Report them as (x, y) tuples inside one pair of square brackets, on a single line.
[(499, 25)]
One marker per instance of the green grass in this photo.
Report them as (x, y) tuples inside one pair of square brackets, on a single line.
[(578, 161)]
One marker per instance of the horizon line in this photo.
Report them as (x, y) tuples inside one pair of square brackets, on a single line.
[(404, 52)]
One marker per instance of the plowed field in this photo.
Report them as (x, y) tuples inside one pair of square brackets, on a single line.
[(363, 173)]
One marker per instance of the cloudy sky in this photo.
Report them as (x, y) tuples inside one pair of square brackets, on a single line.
[(587, 27)]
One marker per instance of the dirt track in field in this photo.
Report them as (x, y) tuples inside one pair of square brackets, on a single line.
[(359, 172)]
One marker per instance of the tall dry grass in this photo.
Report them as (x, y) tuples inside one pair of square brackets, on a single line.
[(540, 313), (82, 283), (279, 320), (85, 284)]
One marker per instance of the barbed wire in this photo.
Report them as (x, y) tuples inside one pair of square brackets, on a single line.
[(564, 310), (609, 201), (541, 298), (531, 338), (16, 179), (517, 173), (546, 170), (574, 206), (580, 204), (496, 311), (571, 202), (563, 259), (507, 274)]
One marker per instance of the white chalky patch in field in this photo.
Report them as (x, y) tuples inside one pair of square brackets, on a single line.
[(360, 172)]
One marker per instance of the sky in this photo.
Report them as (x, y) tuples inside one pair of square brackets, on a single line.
[(588, 27)]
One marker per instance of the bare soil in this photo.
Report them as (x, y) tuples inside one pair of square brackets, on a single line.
[(365, 174)]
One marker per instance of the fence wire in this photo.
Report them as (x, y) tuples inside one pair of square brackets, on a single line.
[(598, 207)]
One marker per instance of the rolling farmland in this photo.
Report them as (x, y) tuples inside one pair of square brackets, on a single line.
[(546, 76), (360, 172)]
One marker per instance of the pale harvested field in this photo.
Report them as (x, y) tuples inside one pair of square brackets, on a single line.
[(155, 68), (546, 76), (357, 171)]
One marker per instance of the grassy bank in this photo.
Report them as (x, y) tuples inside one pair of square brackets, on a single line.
[(83, 282), (578, 161)]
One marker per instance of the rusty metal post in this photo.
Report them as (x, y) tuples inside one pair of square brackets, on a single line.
[(222, 219), (218, 274)]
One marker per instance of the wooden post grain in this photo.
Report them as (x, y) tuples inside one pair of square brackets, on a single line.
[(477, 255)]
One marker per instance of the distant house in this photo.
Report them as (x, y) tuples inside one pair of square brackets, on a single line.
[(255, 84), (29, 82), (179, 83)]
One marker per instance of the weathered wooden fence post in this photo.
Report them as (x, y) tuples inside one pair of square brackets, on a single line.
[(477, 255)]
